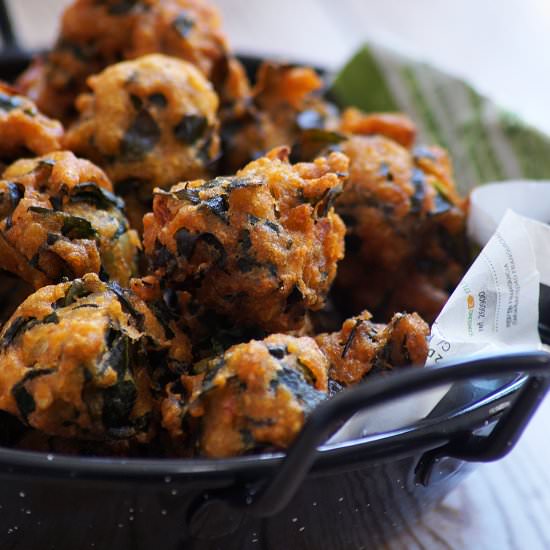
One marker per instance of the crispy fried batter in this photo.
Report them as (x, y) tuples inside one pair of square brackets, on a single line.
[(74, 363), (259, 248), (362, 347), (23, 128), (255, 395), (59, 218), (97, 34), (405, 245), (396, 126), (284, 106), (149, 122)]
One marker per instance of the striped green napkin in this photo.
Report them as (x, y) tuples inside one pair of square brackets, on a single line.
[(486, 143)]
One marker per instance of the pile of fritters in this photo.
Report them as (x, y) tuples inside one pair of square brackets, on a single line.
[(188, 234)]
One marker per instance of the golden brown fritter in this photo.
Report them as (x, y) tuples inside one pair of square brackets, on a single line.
[(95, 34), (285, 108), (259, 248), (362, 347), (59, 218), (405, 244), (149, 123), (24, 130), (254, 395), (74, 362)]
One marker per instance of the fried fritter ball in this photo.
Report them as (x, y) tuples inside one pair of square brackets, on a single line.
[(285, 107), (74, 362), (362, 347), (255, 395), (59, 218), (95, 34), (24, 130), (259, 248), (406, 243), (149, 123)]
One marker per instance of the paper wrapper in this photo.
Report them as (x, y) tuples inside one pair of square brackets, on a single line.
[(495, 308)]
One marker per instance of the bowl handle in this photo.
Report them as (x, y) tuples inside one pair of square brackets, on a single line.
[(281, 487)]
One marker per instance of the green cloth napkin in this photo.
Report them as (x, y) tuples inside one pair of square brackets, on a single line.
[(486, 143)]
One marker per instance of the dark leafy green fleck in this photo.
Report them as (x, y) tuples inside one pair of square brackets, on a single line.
[(273, 226), (127, 306), (52, 238), (191, 128), (75, 227), (334, 387), (218, 205), (214, 369), (308, 396), (212, 241), (25, 401), (351, 338), (118, 403), (419, 182), (137, 102), (188, 194), (141, 137), (313, 142), (159, 100), (122, 7), (385, 171), (162, 257), (325, 204), (117, 357), (10, 198), (279, 352), (76, 291), (52, 318), (9, 103), (18, 326), (183, 24), (185, 242), (92, 193)]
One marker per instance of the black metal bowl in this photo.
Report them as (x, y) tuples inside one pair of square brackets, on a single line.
[(344, 496)]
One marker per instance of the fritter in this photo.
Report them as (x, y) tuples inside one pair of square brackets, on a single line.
[(255, 395), (362, 347), (406, 239), (24, 130), (285, 108), (95, 34), (74, 362), (259, 248), (59, 218), (148, 122)]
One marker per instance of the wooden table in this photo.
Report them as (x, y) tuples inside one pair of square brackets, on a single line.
[(502, 46)]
